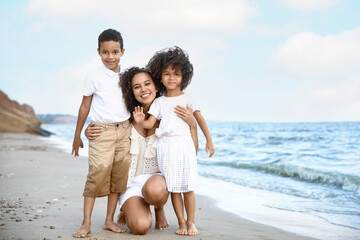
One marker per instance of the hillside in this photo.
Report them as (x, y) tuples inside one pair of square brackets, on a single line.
[(57, 118), (16, 118)]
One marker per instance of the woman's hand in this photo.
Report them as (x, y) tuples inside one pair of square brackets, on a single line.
[(139, 115), (186, 114), (92, 132)]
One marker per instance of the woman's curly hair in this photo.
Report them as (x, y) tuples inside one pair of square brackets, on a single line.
[(126, 86), (176, 57)]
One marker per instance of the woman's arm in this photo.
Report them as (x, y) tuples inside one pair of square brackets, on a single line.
[(204, 128), (92, 132), (139, 118), (187, 115)]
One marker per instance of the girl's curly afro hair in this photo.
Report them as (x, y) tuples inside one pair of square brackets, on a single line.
[(176, 57), (126, 86)]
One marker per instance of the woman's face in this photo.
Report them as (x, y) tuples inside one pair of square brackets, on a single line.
[(144, 88)]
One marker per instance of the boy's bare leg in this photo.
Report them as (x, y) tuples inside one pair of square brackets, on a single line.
[(111, 207), (177, 202), (189, 200), (85, 226)]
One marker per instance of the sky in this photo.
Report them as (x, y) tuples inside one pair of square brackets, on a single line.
[(254, 60)]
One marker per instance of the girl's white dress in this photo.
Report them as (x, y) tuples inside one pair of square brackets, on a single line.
[(176, 152)]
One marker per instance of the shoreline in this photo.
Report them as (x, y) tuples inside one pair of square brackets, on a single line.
[(41, 195)]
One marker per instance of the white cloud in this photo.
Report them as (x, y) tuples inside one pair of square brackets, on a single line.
[(336, 99), (308, 54), (310, 5), (62, 94), (227, 16), (269, 30)]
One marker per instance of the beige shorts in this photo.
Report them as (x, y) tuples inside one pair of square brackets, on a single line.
[(109, 160)]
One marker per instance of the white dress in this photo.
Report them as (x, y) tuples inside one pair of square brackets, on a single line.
[(176, 152)]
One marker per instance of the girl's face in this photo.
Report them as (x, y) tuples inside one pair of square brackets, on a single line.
[(171, 78), (144, 88)]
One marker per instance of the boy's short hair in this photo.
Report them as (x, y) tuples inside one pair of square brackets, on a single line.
[(176, 57), (110, 35)]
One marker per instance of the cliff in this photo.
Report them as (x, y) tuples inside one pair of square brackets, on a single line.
[(57, 118), (16, 118)]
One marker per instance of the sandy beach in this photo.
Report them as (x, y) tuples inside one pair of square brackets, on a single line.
[(41, 198)]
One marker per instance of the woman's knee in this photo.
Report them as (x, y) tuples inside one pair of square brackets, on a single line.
[(155, 190), (140, 225)]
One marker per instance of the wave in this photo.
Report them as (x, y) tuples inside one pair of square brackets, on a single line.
[(344, 181)]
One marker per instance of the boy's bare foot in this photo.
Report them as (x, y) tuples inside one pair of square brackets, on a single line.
[(121, 218), (161, 222), (83, 232), (182, 229), (111, 226), (192, 231)]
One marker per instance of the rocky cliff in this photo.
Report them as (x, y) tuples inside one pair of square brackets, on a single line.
[(16, 118)]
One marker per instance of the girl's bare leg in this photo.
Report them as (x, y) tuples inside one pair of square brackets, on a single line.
[(138, 215), (155, 193), (177, 202), (189, 200)]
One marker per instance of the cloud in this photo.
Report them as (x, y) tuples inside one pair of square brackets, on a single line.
[(227, 16), (269, 30), (308, 54), (336, 99), (309, 5), (62, 94)]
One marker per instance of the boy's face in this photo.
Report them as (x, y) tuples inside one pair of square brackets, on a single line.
[(110, 53)]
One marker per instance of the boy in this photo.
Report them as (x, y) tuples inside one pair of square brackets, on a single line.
[(109, 157)]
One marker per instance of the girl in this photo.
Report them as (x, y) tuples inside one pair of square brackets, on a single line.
[(176, 154)]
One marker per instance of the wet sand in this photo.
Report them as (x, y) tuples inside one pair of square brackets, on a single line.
[(41, 198)]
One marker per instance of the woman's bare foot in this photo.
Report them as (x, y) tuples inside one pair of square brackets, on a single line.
[(192, 231), (121, 218), (111, 226), (161, 222), (83, 232), (182, 229)]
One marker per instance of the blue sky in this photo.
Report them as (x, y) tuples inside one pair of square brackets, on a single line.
[(254, 60)]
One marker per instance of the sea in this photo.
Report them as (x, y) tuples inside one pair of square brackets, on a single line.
[(301, 177)]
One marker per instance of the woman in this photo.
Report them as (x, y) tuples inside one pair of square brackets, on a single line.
[(145, 185)]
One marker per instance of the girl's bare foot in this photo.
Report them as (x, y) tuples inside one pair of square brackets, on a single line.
[(113, 227), (161, 222), (192, 231), (182, 229), (121, 218), (83, 232)]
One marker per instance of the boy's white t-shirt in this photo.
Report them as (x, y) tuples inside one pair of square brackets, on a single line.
[(163, 109), (107, 104)]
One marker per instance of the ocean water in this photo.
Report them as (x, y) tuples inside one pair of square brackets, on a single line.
[(307, 168)]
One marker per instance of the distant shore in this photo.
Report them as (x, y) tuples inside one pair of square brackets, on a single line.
[(41, 198)]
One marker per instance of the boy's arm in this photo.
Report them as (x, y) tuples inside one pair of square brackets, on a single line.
[(204, 128), (139, 118), (83, 113)]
